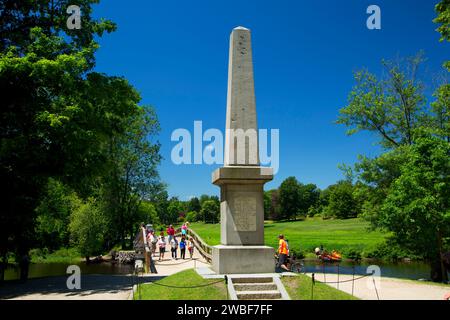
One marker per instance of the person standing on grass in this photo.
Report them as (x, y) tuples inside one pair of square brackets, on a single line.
[(183, 247), (190, 245), (170, 232), (174, 247), (161, 245), (282, 252)]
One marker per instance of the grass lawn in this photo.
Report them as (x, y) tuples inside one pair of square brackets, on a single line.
[(185, 278), (299, 288), (308, 234)]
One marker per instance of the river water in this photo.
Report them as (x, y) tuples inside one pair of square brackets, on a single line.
[(39, 270), (405, 270), (413, 270)]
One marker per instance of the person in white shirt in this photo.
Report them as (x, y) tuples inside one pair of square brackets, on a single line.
[(174, 247), (162, 246)]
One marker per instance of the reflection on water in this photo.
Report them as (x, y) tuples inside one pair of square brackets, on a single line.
[(404, 270), (38, 270)]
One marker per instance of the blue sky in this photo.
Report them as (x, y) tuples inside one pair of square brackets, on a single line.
[(304, 52)]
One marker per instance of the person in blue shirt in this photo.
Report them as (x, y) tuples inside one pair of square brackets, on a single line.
[(183, 247)]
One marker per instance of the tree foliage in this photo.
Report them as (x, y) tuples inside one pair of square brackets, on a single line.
[(88, 227), (390, 107), (290, 199), (210, 211), (53, 215), (342, 203), (401, 189), (61, 120)]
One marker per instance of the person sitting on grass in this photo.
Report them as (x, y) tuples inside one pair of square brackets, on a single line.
[(282, 253)]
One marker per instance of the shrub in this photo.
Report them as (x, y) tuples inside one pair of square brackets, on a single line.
[(353, 254), (297, 254), (389, 250), (191, 216)]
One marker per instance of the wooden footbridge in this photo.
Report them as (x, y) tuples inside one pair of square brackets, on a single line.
[(202, 253)]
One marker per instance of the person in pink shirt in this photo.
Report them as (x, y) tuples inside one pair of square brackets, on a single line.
[(184, 229)]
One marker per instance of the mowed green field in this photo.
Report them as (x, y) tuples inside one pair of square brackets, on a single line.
[(306, 235), (187, 278)]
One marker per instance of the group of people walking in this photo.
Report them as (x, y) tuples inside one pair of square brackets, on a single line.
[(175, 243)]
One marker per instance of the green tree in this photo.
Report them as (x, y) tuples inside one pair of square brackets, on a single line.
[(148, 214), (395, 108), (391, 107), (88, 227), (275, 209), (175, 210), (417, 207), (210, 211), (192, 216), (58, 115), (309, 195), (132, 175), (443, 19), (194, 205), (267, 203), (290, 199), (53, 215), (440, 121), (342, 203), (161, 201)]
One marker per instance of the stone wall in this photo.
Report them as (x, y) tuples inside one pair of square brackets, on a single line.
[(126, 256)]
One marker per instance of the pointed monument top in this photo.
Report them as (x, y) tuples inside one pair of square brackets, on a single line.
[(241, 141), (241, 28)]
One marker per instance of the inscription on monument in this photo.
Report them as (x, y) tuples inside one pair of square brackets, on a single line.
[(244, 213)]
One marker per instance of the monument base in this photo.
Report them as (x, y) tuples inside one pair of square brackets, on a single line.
[(243, 259)]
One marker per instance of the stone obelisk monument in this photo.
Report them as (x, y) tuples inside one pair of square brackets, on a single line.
[(241, 180)]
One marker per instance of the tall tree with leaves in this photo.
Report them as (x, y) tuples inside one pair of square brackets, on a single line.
[(210, 211), (133, 174), (290, 199), (56, 115), (89, 227), (417, 206), (443, 19), (395, 109)]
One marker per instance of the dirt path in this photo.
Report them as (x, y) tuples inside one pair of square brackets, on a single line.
[(94, 287), (387, 288)]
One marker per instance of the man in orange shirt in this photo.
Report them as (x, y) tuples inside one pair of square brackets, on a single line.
[(282, 252)]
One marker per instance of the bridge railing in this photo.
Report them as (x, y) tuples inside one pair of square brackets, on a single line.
[(141, 244), (204, 249)]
